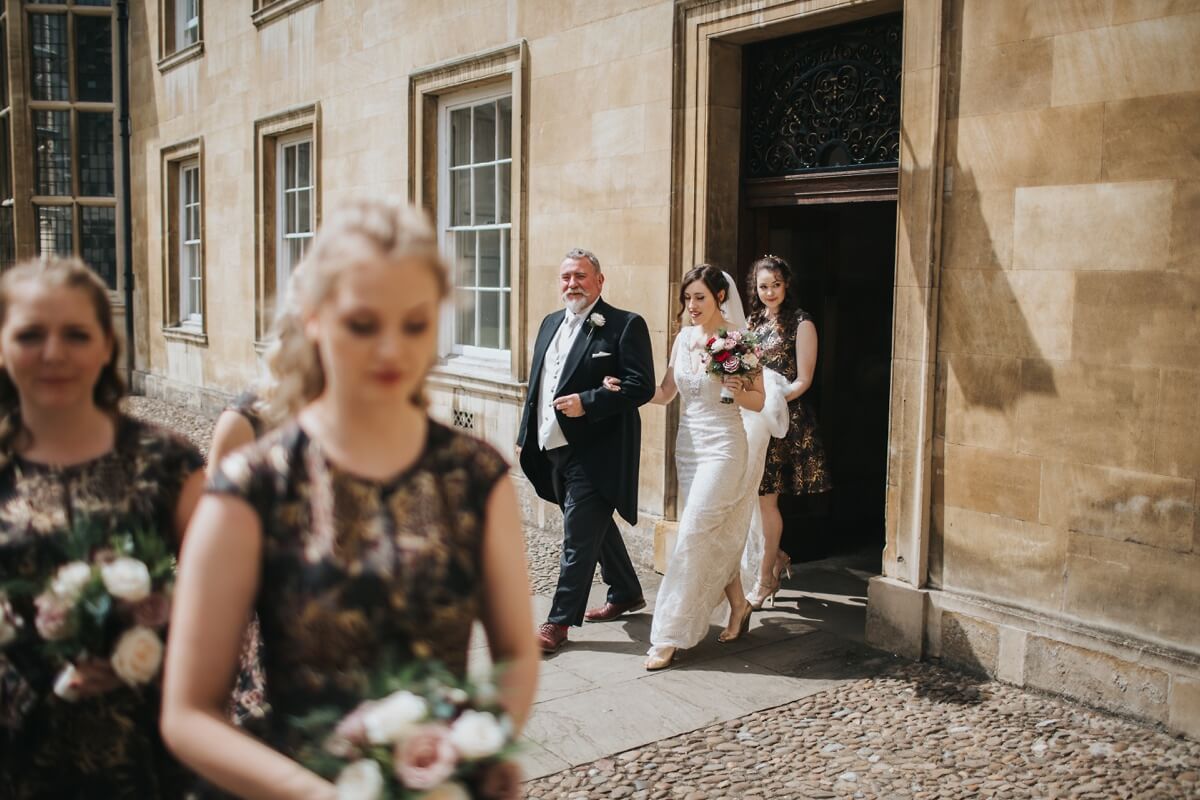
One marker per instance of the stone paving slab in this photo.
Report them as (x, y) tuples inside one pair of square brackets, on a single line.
[(595, 697)]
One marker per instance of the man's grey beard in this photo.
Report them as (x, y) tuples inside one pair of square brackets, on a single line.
[(576, 303)]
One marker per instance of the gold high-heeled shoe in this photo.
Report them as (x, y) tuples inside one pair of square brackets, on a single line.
[(783, 566), (762, 594), (661, 659), (743, 626)]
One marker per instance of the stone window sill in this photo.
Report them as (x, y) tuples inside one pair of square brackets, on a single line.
[(478, 378), (186, 334), (194, 50), (271, 11)]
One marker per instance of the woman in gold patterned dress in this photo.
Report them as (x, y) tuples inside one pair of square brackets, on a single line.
[(362, 532), (69, 457), (795, 464)]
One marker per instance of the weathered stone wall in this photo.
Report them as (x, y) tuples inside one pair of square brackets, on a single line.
[(1068, 425)]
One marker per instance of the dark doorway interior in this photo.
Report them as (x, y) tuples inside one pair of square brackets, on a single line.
[(843, 255)]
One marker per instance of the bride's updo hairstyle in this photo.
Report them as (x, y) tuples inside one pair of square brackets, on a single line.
[(68, 273), (714, 280), (783, 271), (359, 232)]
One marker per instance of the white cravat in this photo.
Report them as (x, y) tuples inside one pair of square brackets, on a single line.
[(550, 433)]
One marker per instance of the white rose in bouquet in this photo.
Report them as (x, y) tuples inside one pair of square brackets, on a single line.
[(63, 684), (362, 780), (392, 717), (477, 734), (70, 580), (10, 623), (137, 656), (126, 579)]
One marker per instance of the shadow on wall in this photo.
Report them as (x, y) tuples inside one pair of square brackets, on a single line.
[(998, 328)]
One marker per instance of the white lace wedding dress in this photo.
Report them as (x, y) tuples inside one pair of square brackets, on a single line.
[(718, 488)]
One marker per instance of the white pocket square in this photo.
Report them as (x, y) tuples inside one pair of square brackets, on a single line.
[(600, 354)]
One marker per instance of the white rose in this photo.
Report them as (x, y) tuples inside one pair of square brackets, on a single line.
[(718, 345), (750, 360), (477, 734), (137, 656), (450, 790), (597, 320), (362, 780), (70, 581), (127, 579), (392, 717), (62, 684), (10, 623)]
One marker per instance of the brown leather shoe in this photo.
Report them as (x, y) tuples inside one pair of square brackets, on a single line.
[(551, 636), (610, 611)]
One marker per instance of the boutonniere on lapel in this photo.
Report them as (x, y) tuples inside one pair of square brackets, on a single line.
[(595, 320)]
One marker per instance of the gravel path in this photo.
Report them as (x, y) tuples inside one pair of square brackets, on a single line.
[(917, 731)]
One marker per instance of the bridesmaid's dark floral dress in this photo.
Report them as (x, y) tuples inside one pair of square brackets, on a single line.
[(106, 746), (249, 690), (355, 571), (796, 463)]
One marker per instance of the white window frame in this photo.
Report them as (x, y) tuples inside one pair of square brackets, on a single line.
[(283, 233), (191, 280), (187, 27), (449, 321)]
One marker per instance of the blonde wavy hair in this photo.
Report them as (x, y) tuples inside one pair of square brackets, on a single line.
[(70, 273), (360, 231)]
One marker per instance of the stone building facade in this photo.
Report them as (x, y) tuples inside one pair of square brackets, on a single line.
[(1005, 281)]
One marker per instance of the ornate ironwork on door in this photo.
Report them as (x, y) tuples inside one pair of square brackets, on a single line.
[(824, 100)]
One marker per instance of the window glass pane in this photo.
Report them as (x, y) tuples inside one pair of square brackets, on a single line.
[(289, 213), (98, 231), (48, 36), (93, 59), (460, 197), (6, 190), (504, 128), (8, 244), (464, 258), (304, 164), (485, 132), (464, 312), (95, 154), (304, 211), (504, 189), (485, 195), (489, 318), (93, 2), (289, 166), (3, 65), (54, 230), (489, 258), (52, 138), (460, 137)]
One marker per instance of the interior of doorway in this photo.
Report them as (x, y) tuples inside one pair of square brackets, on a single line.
[(843, 258)]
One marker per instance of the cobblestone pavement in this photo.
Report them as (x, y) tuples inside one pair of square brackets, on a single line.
[(914, 731)]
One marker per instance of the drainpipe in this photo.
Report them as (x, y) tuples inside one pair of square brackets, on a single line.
[(126, 180)]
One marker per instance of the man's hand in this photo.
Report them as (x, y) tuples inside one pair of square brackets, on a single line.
[(570, 405)]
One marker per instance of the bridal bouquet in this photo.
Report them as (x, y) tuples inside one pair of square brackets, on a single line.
[(732, 353), (425, 734), (107, 598)]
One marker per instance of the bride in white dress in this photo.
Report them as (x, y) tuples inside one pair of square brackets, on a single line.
[(714, 468)]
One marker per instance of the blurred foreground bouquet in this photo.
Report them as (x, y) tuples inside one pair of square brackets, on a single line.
[(424, 734), (103, 602)]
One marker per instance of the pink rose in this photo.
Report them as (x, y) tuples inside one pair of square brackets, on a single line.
[(153, 611), (53, 617), (425, 758)]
